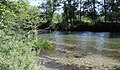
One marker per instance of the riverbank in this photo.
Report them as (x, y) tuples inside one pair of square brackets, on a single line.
[(78, 27), (91, 62)]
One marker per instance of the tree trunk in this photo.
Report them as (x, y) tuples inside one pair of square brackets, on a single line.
[(94, 16), (80, 11), (105, 10)]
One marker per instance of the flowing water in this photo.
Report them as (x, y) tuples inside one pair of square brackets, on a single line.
[(81, 51)]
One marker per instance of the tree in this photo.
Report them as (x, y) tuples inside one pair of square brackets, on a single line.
[(49, 7), (18, 14)]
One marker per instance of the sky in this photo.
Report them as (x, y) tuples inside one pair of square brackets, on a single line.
[(35, 2), (38, 2)]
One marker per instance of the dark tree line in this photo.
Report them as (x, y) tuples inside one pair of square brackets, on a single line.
[(78, 12)]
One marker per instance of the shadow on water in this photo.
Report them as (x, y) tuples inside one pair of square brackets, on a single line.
[(114, 35)]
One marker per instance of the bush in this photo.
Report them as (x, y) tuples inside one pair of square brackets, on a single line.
[(17, 14), (15, 53), (40, 43), (15, 44)]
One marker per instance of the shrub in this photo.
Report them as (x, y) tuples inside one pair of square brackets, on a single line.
[(40, 43), (15, 53)]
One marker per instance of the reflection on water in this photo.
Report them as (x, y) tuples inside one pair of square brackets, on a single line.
[(86, 42), (86, 33), (103, 34), (86, 37), (99, 51), (100, 43), (58, 38)]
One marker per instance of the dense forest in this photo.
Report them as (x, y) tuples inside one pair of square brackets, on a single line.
[(76, 15), (80, 14)]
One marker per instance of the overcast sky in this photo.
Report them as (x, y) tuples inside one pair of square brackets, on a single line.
[(35, 2)]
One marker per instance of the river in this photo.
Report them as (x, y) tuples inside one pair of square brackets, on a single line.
[(81, 51)]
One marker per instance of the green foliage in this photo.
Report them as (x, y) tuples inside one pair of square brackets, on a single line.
[(15, 44), (15, 52), (40, 43), (101, 18), (86, 20), (57, 18), (93, 11), (16, 14), (49, 7)]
